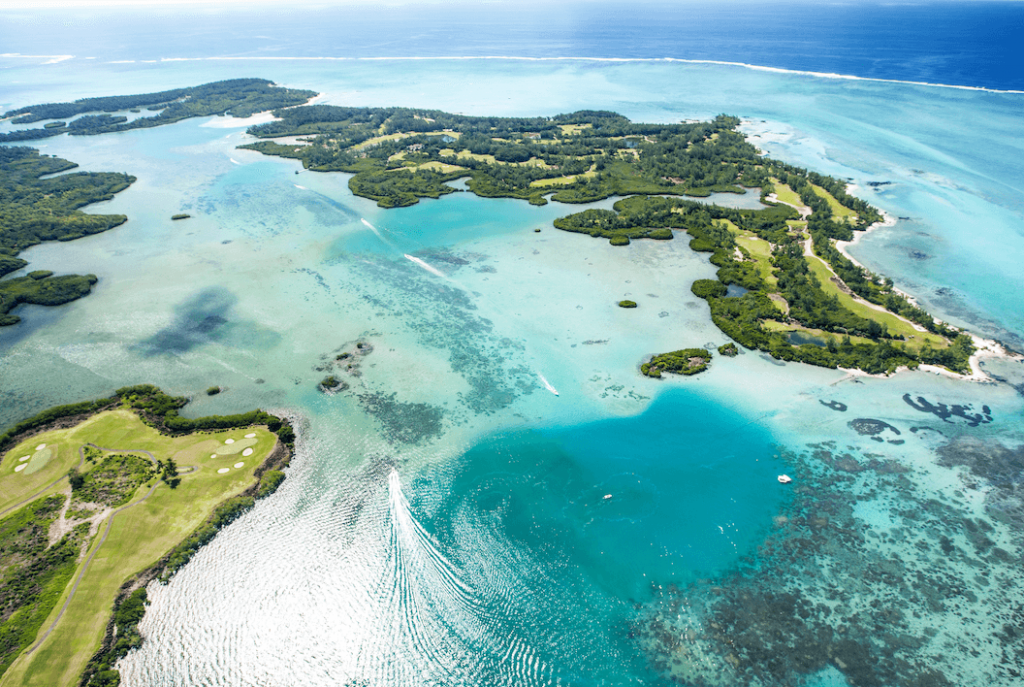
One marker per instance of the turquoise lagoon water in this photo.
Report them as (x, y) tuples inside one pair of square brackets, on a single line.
[(446, 520)]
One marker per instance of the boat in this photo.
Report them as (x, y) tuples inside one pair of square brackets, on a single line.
[(785, 479)]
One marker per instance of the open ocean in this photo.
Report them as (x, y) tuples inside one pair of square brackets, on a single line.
[(503, 499)]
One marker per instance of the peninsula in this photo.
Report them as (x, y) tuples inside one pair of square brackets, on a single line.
[(784, 285), (36, 206), (793, 293), (99, 499)]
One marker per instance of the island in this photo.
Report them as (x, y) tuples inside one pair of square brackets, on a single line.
[(784, 285), (101, 498), (37, 207), (235, 97)]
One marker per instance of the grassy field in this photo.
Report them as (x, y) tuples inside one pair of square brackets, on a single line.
[(561, 181), (758, 249), (370, 142), (573, 129), (839, 212), (139, 535), (434, 165), (773, 326), (15, 487), (787, 195), (915, 339)]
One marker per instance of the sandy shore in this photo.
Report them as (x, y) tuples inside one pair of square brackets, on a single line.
[(229, 122)]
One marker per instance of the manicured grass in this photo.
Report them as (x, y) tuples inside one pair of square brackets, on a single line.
[(395, 137), (572, 129), (561, 181), (728, 224), (759, 249), (139, 536), (914, 339), (433, 165), (15, 487), (773, 326), (787, 195), (839, 212)]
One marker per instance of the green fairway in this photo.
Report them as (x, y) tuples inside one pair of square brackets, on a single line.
[(15, 487), (757, 248), (915, 339), (787, 195), (156, 518), (839, 212)]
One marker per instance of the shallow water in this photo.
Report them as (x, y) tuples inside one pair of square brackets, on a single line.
[(445, 520)]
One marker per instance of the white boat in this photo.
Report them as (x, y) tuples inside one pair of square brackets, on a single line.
[(785, 479)]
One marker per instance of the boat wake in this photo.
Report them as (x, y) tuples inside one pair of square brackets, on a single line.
[(424, 265), (438, 622), (547, 384)]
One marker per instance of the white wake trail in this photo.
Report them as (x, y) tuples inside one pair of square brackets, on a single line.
[(428, 268), (547, 384)]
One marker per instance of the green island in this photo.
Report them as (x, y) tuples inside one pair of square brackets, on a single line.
[(627, 304), (34, 209), (688, 361), (235, 97), (782, 286), (100, 498), (794, 294)]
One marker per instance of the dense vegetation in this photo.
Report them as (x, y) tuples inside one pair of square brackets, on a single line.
[(32, 573), (790, 304), (113, 481), (236, 97), (399, 155), (783, 294), (34, 209), (39, 288), (688, 361)]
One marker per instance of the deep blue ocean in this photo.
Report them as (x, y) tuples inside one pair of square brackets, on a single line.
[(502, 498), (973, 43)]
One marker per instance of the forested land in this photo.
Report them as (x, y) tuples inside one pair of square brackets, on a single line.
[(34, 209), (801, 298), (786, 309), (399, 155), (35, 568), (236, 97)]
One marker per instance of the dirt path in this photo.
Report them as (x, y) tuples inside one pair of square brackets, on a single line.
[(106, 532)]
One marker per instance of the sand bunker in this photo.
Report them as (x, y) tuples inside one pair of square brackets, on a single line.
[(229, 441), (238, 465), (235, 447), (40, 447), (247, 452), (22, 460), (250, 436), (214, 455), (223, 470), (20, 468)]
